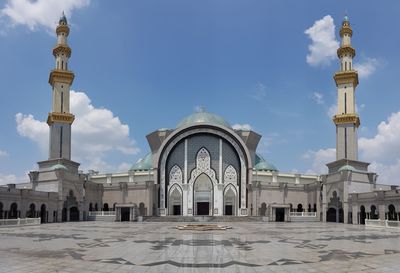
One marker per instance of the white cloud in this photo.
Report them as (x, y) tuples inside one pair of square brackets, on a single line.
[(260, 92), (318, 98), (3, 153), (385, 146), (96, 132), (323, 42), (7, 179), (319, 159), (39, 13), (244, 127), (332, 110), (366, 68)]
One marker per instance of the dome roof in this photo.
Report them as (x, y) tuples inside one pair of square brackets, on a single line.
[(347, 168), (262, 165), (203, 117), (59, 166), (143, 164)]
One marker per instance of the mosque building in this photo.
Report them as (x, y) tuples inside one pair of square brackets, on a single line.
[(202, 167)]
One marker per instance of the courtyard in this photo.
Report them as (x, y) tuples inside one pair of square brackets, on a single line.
[(160, 247)]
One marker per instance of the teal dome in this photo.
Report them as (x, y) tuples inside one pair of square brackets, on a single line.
[(58, 167), (346, 18), (143, 164), (203, 117), (347, 168), (262, 165)]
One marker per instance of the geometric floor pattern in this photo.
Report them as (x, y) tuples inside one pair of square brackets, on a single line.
[(160, 247)]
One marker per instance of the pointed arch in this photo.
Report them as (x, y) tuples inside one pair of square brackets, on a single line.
[(175, 175), (230, 175), (203, 165)]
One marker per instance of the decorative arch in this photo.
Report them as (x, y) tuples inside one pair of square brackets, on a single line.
[(227, 135), (174, 201), (230, 175), (230, 201), (175, 175), (203, 165)]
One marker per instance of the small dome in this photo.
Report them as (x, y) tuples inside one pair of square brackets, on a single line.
[(58, 167), (143, 164), (347, 168), (203, 117), (346, 18), (262, 165)]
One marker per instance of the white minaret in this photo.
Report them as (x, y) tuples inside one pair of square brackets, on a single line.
[(60, 119), (346, 119)]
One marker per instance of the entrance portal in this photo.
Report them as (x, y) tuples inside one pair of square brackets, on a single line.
[(228, 210), (203, 195), (74, 214), (280, 214), (203, 208), (125, 214), (177, 209)]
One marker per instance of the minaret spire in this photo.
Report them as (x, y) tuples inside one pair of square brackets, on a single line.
[(346, 119), (60, 119)]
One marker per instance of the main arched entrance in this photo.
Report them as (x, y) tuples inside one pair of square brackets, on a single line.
[(203, 195)]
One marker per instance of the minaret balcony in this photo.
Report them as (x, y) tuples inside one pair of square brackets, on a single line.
[(62, 29), (346, 50), (346, 77), (64, 76), (62, 49), (60, 118), (347, 119)]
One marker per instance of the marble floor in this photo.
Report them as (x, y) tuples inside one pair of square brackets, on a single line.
[(160, 247)]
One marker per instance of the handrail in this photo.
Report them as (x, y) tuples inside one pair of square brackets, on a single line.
[(20, 222), (102, 213), (382, 223), (303, 214)]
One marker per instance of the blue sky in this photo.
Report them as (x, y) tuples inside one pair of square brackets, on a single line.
[(144, 65)]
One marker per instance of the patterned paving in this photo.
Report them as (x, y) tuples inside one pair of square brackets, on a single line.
[(160, 247)]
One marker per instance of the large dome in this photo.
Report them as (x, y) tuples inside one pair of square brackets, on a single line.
[(203, 117), (262, 165), (143, 164)]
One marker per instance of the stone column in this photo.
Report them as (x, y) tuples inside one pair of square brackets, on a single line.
[(324, 203), (355, 214), (345, 202), (185, 199), (382, 210)]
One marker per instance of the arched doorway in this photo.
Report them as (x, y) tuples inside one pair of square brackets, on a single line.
[(1, 210), (331, 215), (31, 212), (299, 208), (90, 207), (105, 207), (142, 209), (175, 201), (13, 214), (373, 214), (64, 215), (230, 200), (392, 215), (43, 214), (203, 195), (263, 210), (363, 215), (74, 214), (96, 208)]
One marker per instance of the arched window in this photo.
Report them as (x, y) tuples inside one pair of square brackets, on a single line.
[(299, 208)]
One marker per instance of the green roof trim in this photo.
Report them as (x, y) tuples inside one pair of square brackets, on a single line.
[(261, 164), (58, 167), (143, 164)]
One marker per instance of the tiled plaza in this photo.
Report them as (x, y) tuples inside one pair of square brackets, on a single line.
[(160, 247)]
